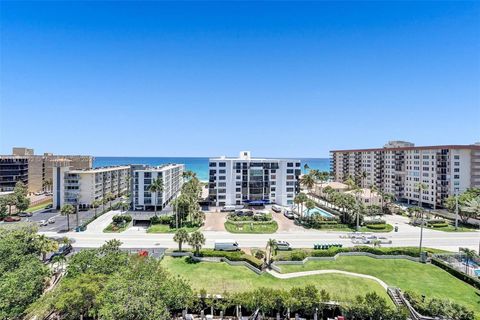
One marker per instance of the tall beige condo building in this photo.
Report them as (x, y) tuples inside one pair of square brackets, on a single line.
[(400, 166), (36, 171)]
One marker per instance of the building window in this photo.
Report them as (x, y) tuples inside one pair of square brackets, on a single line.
[(222, 164)]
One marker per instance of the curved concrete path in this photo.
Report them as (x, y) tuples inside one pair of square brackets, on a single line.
[(328, 271)]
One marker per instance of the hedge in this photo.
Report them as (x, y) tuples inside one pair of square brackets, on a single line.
[(232, 256), (300, 254), (376, 226), (456, 273), (371, 222), (439, 225)]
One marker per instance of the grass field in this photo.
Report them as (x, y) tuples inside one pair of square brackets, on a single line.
[(247, 227), (217, 278), (407, 275), (110, 228), (39, 206), (165, 228), (451, 228)]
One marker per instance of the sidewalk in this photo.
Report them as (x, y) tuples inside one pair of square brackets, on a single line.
[(97, 225)]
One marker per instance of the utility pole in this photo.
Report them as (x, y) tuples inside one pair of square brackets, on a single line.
[(456, 208)]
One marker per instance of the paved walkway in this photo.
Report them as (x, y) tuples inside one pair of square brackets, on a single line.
[(328, 271), (97, 225)]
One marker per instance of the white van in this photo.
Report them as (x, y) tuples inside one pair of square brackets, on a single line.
[(226, 245), (276, 208), (228, 209)]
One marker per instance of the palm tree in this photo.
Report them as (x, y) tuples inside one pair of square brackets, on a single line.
[(306, 167), (300, 200), (271, 245), (45, 245), (310, 205), (473, 206), (59, 262), (109, 197), (155, 188), (47, 184), (95, 204), (181, 236), (124, 206), (67, 210), (350, 183), (421, 187), (469, 255), (196, 241), (308, 181), (357, 191)]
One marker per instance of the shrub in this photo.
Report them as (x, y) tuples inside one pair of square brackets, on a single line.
[(298, 255), (456, 273), (232, 256), (376, 226), (439, 225), (161, 219), (436, 307), (376, 221), (121, 219)]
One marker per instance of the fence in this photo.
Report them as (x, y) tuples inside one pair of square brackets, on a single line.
[(214, 259), (335, 257)]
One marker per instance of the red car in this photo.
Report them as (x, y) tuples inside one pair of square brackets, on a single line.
[(12, 219)]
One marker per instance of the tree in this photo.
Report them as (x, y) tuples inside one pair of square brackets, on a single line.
[(421, 187), (306, 167), (181, 236), (10, 201), (308, 181), (22, 203), (350, 183), (271, 246), (469, 255), (124, 206), (67, 210), (95, 204), (47, 185), (155, 188), (109, 197), (299, 200), (472, 206), (196, 241), (45, 245), (310, 205), (3, 208), (357, 191)]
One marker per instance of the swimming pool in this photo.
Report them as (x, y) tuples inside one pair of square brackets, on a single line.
[(319, 211)]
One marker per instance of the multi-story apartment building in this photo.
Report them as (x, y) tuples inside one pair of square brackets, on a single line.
[(243, 180), (171, 176), (400, 166), (36, 171), (82, 187)]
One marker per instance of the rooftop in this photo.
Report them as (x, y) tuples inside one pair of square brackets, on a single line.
[(402, 146)]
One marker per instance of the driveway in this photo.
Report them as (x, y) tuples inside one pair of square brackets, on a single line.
[(214, 221), (285, 224), (97, 225)]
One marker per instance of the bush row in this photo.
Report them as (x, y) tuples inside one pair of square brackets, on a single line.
[(376, 226), (300, 254), (240, 223), (121, 219), (458, 274), (233, 256), (161, 219), (375, 221)]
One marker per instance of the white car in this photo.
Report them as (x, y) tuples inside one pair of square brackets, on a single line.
[(51, 220), (283, 246), (43, 223)]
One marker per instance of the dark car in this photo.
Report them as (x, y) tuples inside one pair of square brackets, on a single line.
[(12, 219), (50, 206), (24, 214), (62, 251)]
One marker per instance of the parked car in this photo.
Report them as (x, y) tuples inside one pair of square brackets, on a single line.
[(51, 220), (283, 246), (226, 245), (24, 214), (11, 219), (62, 251), (262, 212), (228, 209), (50, 206), (43, 223), (277, 209), (289, 214)]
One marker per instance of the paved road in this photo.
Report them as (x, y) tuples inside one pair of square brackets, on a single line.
[(61, 221), (298, 239)]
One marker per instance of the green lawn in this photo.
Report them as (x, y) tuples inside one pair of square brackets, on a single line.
[(39, 206), (407, 275), (217, 278), (165, 228), (247, 227), (451, 228)]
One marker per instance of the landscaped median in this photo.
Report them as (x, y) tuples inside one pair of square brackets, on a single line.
[(166, 224), (119, 223), (244, 222)]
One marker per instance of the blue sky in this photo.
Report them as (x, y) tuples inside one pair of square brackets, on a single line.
[(206, 79)]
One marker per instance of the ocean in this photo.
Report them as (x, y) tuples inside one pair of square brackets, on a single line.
[(197, 165)]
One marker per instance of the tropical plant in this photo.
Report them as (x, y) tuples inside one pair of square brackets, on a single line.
[(155, 188), (469, 255), (95, 204), (10, 201), (421, 187), (181, 236), (109, 197), (309, 204), (196, 240), (124, 206), (308, 181), (67, 210), (271, 246), (45, 245), (473, 206), (299, 200)]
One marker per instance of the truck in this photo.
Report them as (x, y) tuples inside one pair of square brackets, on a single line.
[(226, 245)]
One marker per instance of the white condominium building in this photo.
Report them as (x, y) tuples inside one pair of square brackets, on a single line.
[(246, 180), (171, 176), (400, 166), (82, 187)]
